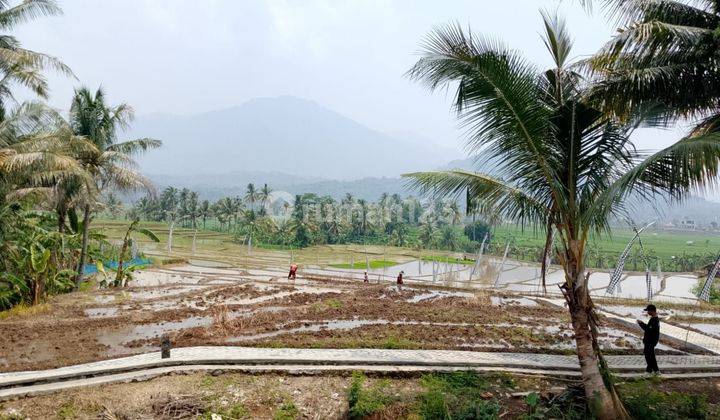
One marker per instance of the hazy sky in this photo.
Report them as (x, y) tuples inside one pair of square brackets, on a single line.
[(190, 56)]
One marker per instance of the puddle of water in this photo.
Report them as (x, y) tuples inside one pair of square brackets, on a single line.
[(101, 312), (208, 263), (104, 298), (680, 286), (421, 297), (635, 311), (711, 329), (202, 270), (158, 293), (116, 338), (149, 278)]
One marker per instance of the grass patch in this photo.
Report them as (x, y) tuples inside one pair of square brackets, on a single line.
[(363, 401), (326, 304), (447, 259), (398, 343), (234, 411), (208, 381), (374, 264), (644, 401), (23, 310), (161, 261), (287, 411), (67, 411), (333, 303), (86, 286), (456, 395)]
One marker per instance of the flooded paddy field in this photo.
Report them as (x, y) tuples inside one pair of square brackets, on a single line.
[(221, 305)]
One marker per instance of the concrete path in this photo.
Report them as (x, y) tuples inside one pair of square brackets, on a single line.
[(149, 365)]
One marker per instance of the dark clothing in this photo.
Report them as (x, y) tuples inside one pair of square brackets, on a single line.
[(650, 340), (649, 352), (399, 279), (652, 331)]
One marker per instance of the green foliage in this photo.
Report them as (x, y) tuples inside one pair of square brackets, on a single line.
[(714, 291), (333, 303), (395, 343), (67, 411), (363, 402), (644, 401), (287, 411), (570, 405), (456, 396), (447, 259), (231, 412), (36, 259), (374, 264)]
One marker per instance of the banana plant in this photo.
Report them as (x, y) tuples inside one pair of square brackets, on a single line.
[(132, 229)]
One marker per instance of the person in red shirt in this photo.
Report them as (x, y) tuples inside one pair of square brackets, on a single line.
[(293, 271), (400, 280)]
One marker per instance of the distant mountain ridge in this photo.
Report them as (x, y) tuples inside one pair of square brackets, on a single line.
[(284, 134)]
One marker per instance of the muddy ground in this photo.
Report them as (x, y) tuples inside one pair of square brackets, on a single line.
[(226, 307)]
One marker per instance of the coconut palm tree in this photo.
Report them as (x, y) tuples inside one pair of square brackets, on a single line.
[(113, 205), (564, 164), (205, 212), (301, 226), (251, 195), (455, 213), (225, 209), (18, 65), (111, 163), (36, 150), (665, 54), (264, 196)]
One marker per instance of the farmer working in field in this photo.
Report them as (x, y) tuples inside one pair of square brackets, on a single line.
[(365, 278), (400, 280), (293, 271), (651, 338)]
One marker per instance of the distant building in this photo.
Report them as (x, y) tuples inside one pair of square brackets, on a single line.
[(688, 224)]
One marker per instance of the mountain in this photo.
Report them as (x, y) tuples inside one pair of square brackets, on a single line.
[(284, 134)]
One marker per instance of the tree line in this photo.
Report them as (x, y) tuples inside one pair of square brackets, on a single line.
[(309, 219)]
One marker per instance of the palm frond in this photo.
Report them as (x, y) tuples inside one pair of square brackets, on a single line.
[(556, 38), (690, 165), (497, 100), (489, 194), (26, 11), (131, 147)]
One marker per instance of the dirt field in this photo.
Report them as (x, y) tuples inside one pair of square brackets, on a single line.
[(200, 306)]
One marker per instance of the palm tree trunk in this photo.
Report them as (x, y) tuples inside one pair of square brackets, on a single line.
[(545, 258), (83, 249), (119, 276), (61, 214), (601, 396)]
